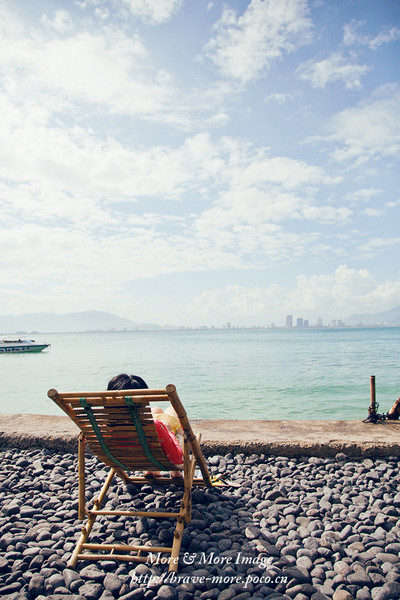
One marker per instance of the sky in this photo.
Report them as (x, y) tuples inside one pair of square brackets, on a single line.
[(199, 162)]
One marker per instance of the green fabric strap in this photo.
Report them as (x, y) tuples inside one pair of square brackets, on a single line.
[(142, 436), (138, 426), (92, 419)]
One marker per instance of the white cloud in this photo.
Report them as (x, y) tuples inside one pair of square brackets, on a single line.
[(107, 70), (370, 130), (218, 120), (83, 74), (10, 25), (362, 195), (345, 291), (98, 189), (61, 22), (244, 47), (335, 295), (376, 245), (341, 68), (76, 161), (60, 162), (75, 283), (334, 68), (353, 37), (384, 37), (152, 11), (233, 302), (261, 191), (281, 98), (393, 203), (93, 262), (374, 212)]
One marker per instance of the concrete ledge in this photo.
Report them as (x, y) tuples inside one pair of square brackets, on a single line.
[(284, 438)]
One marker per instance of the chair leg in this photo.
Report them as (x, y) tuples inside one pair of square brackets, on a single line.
[(194, 442), (91, 519), (190, 462), (189, 465), (81, 476), (176, 545)]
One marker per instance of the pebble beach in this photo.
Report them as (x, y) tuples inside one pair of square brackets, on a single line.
[(292, 528)]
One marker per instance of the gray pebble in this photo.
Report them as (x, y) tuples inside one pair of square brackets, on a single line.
[(113, 583), (360, 578), (167, 592), (136, 594), (91, 591), (301, 588), (389, 591), (92, 573), (36, 585), (363, 594)]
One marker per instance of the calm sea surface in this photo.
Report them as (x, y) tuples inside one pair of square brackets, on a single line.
[(233, 374)]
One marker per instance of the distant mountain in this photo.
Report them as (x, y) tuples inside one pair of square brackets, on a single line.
[(92, 320), (388, 317)]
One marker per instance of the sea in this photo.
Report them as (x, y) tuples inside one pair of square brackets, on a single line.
[(295, 374)]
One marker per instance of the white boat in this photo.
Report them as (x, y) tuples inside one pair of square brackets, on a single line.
[(22, 346)]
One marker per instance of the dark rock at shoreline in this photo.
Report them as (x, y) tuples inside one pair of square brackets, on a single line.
[(296, 529)]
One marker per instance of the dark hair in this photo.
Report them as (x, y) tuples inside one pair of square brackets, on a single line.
[(126, 382)]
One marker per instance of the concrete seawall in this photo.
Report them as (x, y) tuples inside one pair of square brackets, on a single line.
[(285, 438)]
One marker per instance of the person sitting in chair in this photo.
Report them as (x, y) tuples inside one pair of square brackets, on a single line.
[(166, 422)]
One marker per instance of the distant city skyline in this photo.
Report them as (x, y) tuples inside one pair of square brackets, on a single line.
[(98, 321), (304, 323)]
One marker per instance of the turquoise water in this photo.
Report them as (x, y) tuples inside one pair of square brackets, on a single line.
[(233, 374)]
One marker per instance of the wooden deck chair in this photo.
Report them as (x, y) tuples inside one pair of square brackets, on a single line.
[(119, 428)]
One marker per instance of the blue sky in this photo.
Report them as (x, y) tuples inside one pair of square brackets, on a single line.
[(196, 162)]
